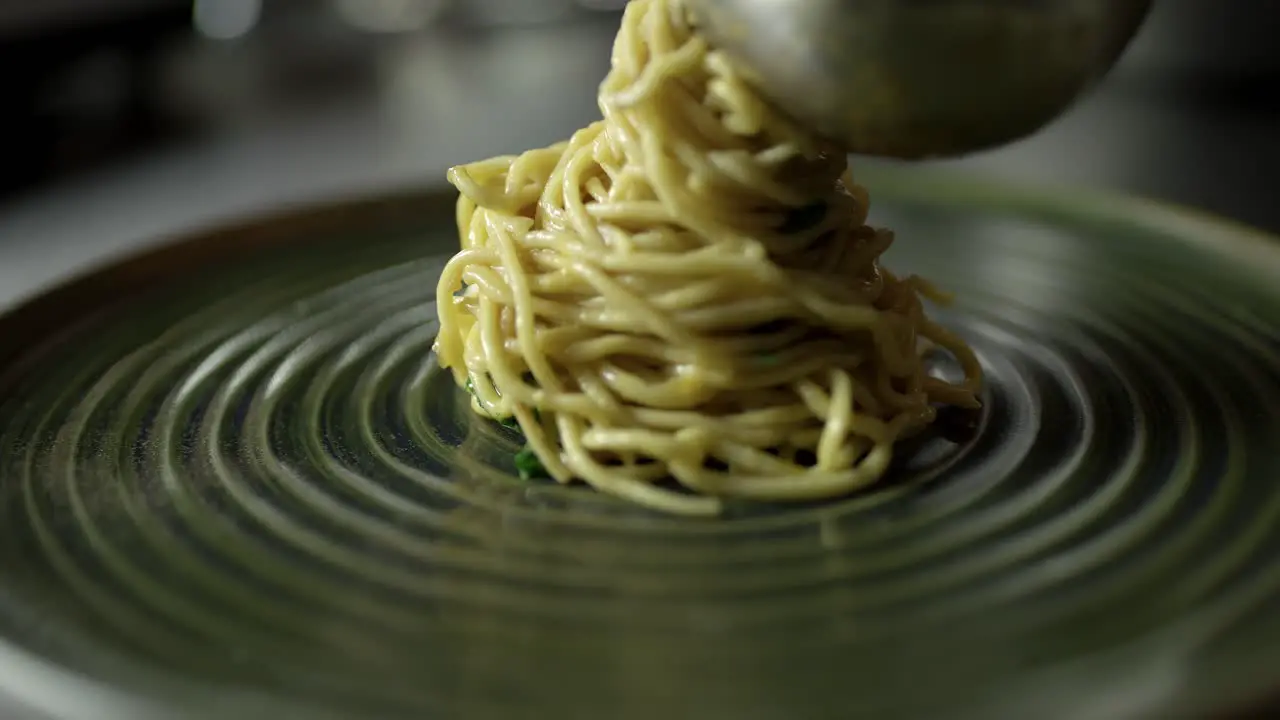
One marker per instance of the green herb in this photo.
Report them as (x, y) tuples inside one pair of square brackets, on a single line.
[(528, 466), (767, 360), (470, 386)]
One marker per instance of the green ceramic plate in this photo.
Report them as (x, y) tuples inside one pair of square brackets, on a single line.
[(235, 485)]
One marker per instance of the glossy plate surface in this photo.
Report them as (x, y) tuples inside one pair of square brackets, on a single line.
[(235, 484)]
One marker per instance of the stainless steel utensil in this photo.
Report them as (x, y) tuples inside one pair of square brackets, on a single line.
[(919, 78)]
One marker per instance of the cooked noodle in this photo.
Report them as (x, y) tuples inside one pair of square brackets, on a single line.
[(687, 290)]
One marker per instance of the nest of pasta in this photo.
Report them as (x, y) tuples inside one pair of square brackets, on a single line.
[(687, 291)]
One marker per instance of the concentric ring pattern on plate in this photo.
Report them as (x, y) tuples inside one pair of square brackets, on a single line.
[(235, 482)]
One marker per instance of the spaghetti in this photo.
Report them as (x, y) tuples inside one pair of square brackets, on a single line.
[(686, 290)]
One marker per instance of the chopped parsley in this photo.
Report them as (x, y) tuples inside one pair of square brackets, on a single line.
[(528, 466)]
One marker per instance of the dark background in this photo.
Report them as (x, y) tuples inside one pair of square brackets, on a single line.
[(130, 120)]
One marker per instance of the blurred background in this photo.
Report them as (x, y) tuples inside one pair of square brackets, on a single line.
[(128, 121)]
